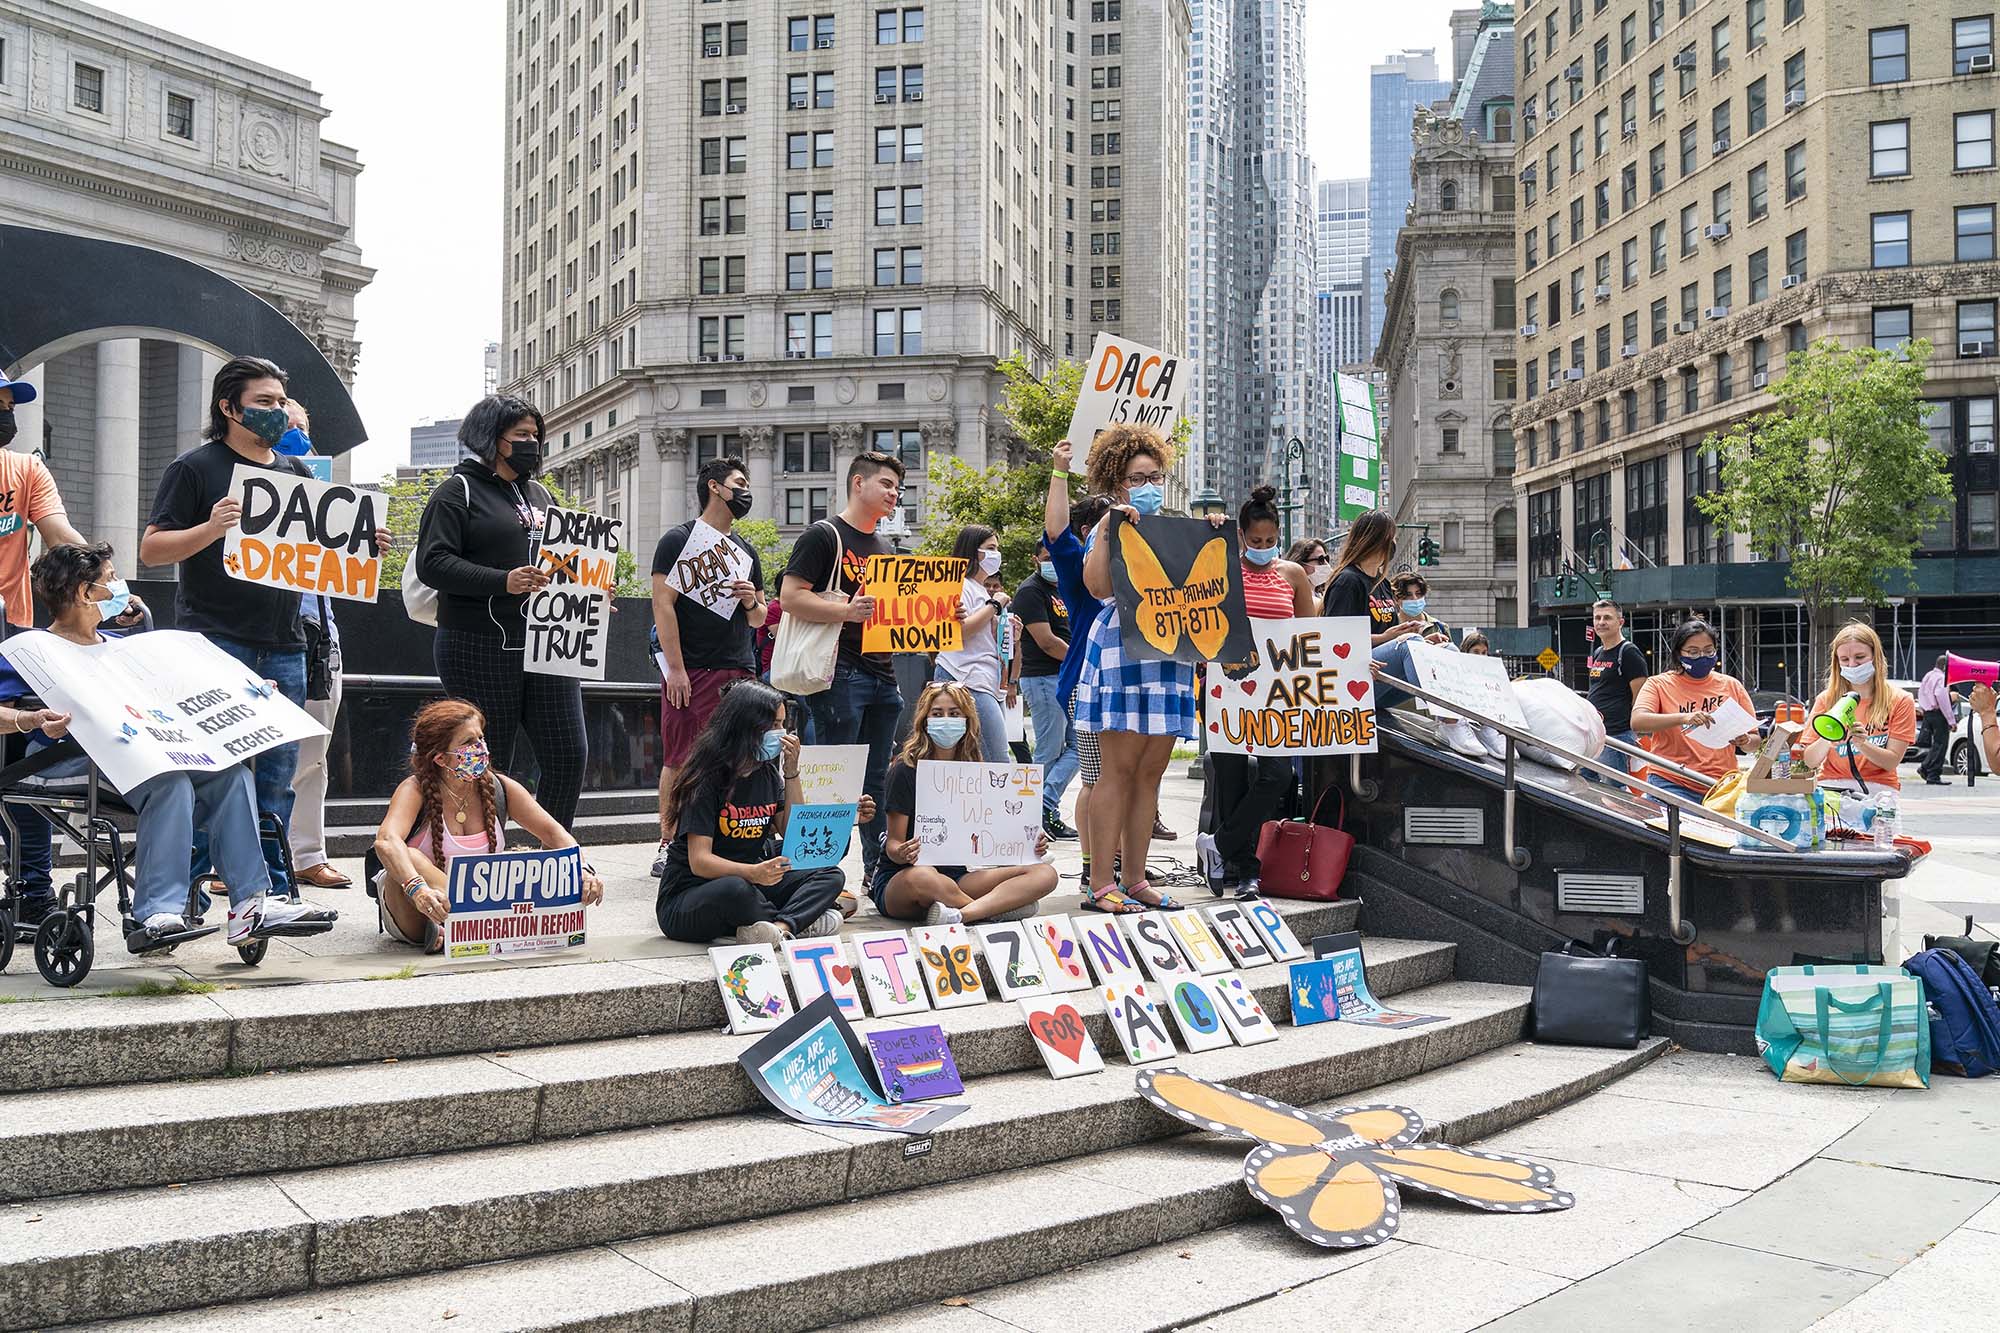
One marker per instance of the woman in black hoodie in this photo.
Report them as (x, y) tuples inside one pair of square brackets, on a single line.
[(476, 547)]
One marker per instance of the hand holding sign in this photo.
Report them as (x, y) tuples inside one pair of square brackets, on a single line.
[(916, 604), (711, 571), (569, 611), (306, 536)]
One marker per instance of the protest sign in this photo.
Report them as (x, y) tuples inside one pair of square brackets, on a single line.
[(321, 468), (816, 1071), (303, 535), (915, 1063), (817, 835), (515, 904), (1315, 997), (156, 703), (1355, 1002), (1310, 692), (819, 967), (1127, 383), (1061, 1037), (917, 601), (1468, 680), (709, 562), (832, 774), (569, 619), (1192, 1003), (889, 966), (1358, 467), (754, 998), (1179, 588), (978, 814)]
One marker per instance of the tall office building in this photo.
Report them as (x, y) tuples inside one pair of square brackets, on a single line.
[(1396, 88), (1251, 282), (1707, 189), (490, 369), (1340, 263)]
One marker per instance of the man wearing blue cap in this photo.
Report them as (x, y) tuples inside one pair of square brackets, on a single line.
[(27, 495)]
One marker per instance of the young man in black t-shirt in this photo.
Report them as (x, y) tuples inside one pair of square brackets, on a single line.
[(1617, 670), (862, 704), (702, 650), (1044, 645)]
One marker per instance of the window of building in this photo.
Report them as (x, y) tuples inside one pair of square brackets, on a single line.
[(1690, 138), (1889, 327), (1690, 229), (1972, 140), (180, 111), (1890, 240), (1755, 109), (1544, 531), (1795, 255), (1974, 225), (1889, 148), (87, 88), (1690, 390), (1718, 47), (1658, 316), (1706, 541), (1760, 275), (1975, 324), (1448, 305), (1794, 11), (1760, 192), (1888, 55), (1503, 303), (1656, 238), (1659, 400), (1795, 169), (1656, 169), (1723, 286), (1795, 77), (1448, 197), (1646, 507), (1971, 40), (899, 332)]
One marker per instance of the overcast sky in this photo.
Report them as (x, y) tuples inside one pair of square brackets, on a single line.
[(415, 87)]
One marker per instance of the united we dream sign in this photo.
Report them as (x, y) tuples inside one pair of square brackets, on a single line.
[(971, 814), (158, 703), (569, 617), (303, 535), (1128, 383), (515, 904)]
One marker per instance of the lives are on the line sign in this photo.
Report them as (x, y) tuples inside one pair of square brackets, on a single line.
[(511, 904), (304, 535), (569, 618)]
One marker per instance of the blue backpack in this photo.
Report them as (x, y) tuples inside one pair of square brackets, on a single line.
[(1965, 1035)]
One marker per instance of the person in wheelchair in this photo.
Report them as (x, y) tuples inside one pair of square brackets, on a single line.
[(83, 592)]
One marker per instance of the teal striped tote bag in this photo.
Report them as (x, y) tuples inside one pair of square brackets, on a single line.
[(1857, 1024)]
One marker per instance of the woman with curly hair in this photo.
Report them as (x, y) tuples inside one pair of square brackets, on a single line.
[(1136, 709), (452, 804), (947, 727)]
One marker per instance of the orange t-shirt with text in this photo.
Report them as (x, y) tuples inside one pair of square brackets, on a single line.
[(27, 495), (1902, 726), (1677, 692)]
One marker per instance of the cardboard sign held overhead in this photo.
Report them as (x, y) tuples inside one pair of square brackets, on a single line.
[(303, 535), (569, 620), (917, 603), (1178, 583), (1311, 691), (1128, 383)]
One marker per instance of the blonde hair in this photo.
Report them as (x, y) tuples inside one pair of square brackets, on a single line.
[(1114, 450), (1876, 711), (918, 745)]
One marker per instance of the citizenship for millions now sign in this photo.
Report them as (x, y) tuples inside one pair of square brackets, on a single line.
[(1358, 464)]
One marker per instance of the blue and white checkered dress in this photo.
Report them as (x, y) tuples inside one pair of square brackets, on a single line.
[(1115, 693)]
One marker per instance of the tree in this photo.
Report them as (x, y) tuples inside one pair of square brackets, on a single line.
[(1839, 478), (773, 551), (406, 500)]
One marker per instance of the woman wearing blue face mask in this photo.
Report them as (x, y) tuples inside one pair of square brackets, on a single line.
[(947, 728), (1244, 791), (1136, 708), (728, 806), (1885, 720), (453, 804), (977, 664), (1688, 695)]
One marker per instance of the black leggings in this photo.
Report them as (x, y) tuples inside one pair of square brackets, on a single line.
[(698, 911), (1244, 791), (476, 667)]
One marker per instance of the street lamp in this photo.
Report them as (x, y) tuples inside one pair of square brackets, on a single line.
[(1208, 503), (1295, 452)]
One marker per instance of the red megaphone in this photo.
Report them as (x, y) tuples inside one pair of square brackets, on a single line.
[(1970, 670)]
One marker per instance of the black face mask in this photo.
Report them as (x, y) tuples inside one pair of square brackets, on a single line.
[(526, 460), (739, 503), (8, 430)]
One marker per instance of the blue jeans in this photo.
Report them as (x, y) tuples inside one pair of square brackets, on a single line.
[(860, 708), (1394, 658), (273, 769), (1611, 758), (992, 722), (1055, 737)]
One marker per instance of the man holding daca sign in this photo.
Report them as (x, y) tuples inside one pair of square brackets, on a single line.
[(569, 617), (304, 535)]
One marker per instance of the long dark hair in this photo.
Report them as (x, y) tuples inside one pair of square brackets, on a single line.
[(490, 418), (230, 381), (1373, 534), (970, 538), (728, 744)]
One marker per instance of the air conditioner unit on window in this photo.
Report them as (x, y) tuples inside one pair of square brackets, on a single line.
[(1604, 291), (1528, 174), (708, 356), (1573, 373), (1684, 60), (1721, 146), (1794, 98), (1759, 380), (1981, 64), (1530, 330), (795, 356), (822, 224), (1630, 129), (1629, 350), (1717, 312), (1685, 326), (712, 50), (1575, 72), (824, 43), (1790, 280), (883, 98), (916, 96), (1975, 349), (798, 102), (733, 109), (1716, 231), (732, 356)]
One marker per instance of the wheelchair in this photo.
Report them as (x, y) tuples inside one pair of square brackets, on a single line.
[(94, 815)]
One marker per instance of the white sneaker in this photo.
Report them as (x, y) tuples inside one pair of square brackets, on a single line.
[(1462, 737), (760, 932), (940, 915), (660, 858), (262, 917), (165, 923), (1025, 912), (1495, 743), (828, 924), (1209, 857)]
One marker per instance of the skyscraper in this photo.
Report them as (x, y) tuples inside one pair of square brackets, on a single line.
[(1341, 264), (1250, 250), (1397, 87)]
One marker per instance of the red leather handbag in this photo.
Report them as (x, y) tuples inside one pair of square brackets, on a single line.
[(1303, 858)]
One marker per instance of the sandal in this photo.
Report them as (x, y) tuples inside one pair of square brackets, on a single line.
[(1112, 901), (1165, 903)]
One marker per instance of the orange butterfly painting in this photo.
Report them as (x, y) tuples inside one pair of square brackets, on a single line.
[(1333, 1176), (1199, 617)]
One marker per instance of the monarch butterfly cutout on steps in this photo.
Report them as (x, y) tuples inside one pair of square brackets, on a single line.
[(1333, 1175), (1179, 588)]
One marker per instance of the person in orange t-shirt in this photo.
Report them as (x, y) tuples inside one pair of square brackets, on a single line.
[(27, 495), (1885, 724), (1684, 696)]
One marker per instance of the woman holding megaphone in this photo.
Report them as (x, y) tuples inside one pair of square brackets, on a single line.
[(1861, 724)]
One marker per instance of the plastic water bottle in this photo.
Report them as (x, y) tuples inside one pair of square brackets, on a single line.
[(1886, 819)]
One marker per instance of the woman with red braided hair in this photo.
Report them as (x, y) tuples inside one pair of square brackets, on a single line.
[(452, 804)]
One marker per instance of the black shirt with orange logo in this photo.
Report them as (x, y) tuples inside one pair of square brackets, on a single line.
[(812, 560), (1613, 673), (740, 818)]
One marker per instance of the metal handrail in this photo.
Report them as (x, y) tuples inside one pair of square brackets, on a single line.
[(1517, 857), (1658, 761)]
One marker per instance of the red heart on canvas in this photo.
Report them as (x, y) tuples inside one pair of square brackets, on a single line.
[(842, 973), (1061, 1030), (1340, 649), (1217, 691), (1357, 688), (1249, 686), (1215, 726)]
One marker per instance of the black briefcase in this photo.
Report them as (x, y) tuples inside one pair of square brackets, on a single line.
[(1587, 998)]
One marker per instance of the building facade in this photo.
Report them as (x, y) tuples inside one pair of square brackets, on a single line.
[(1396, 88), (738, 230), (117, 130), (434, 444), (1447, 349), (1706, 188), (1251, 280), (1340, 281)]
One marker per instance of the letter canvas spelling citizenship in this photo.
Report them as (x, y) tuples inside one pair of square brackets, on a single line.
[(1310, 692), (1128, 383), (917, 599), (303, 535), (515, 904), (569, 619)]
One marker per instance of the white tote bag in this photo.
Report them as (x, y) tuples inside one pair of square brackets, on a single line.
[(806, 652), (420, 599)]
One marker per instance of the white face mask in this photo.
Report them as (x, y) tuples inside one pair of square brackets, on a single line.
[(1320, 574), (989, 562)]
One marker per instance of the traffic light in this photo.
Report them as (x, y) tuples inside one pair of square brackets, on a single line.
[(1427, 550)]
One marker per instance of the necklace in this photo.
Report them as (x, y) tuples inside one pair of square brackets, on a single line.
[(460, 812)]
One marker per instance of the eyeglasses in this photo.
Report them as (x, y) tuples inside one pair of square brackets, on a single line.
[(1145, 479), (1316, 560)]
